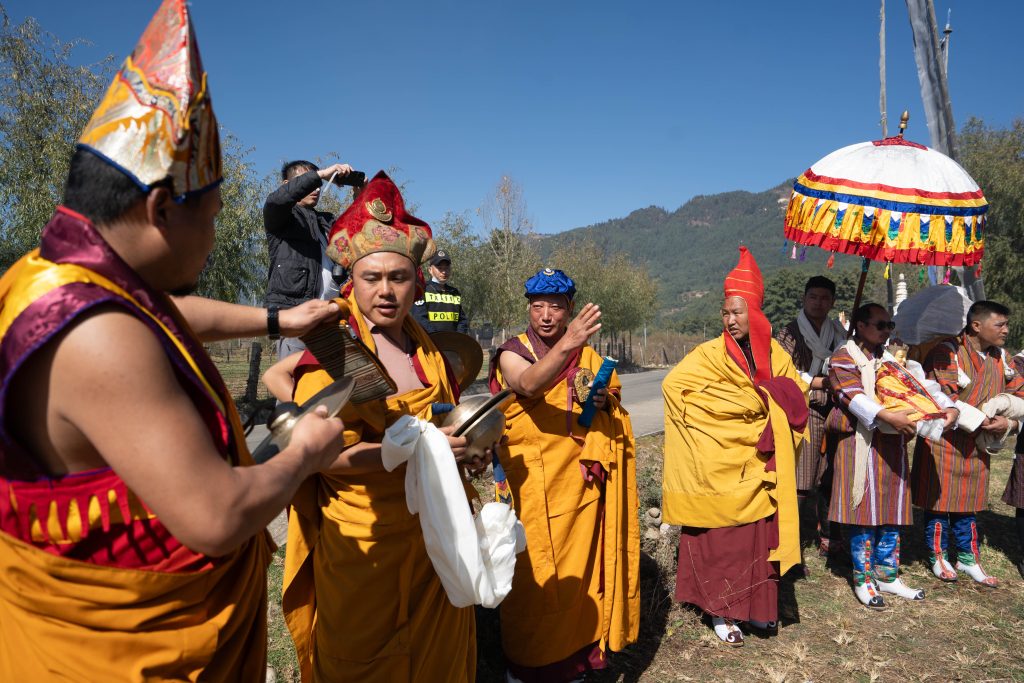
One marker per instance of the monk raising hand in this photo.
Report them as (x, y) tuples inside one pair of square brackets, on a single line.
[(549, 316), (574, 596)]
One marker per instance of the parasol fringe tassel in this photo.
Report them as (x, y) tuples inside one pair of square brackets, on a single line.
[(977, 271), (811, 221), (922, 275), (886, 272), (945, 278), (803, 254), (831, 260), (785, 243), (793, 255)]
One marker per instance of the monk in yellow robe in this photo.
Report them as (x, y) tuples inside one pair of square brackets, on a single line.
[(575, 591), (132, 526), (361, 598), (735, 413)]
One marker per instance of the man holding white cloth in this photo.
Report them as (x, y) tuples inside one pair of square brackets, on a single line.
[(810, 340)]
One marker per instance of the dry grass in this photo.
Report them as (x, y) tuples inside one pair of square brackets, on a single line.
[(959, 633)]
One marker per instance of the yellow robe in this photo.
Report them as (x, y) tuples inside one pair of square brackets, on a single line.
[(558, 603), (62, 619), (714, 476), (361, 598)]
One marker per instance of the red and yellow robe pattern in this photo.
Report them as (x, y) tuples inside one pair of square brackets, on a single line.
[(92, 585), (952, 475), (577, 583), (361, 598)]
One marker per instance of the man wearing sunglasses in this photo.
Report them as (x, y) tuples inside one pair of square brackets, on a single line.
[(950, 477), (870, 490)]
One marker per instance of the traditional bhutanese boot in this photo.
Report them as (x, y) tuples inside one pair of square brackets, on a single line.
[(897, 587), (975, 571), (868, 594), (887, 565), (943, 570), (861, 554)]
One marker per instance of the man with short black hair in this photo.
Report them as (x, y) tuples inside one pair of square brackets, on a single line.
[(810, 340), (950, 477), (133, 541), (440, 309), (297, 240)]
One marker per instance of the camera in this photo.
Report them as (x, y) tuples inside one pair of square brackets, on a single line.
[(353, 179)]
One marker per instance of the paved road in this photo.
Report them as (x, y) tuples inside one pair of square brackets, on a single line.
[(642, 397), (641, 394)]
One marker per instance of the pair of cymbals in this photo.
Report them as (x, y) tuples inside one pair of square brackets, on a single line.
[(463, 354)]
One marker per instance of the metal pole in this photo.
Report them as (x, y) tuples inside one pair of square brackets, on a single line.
[(881, 71)]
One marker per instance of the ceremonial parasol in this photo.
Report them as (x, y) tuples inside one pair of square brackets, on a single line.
[(892, 201)]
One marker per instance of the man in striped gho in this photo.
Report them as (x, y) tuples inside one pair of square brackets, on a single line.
[(870, 492), (950, 477)]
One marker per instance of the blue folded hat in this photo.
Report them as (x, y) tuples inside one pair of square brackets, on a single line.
[(550, 281)]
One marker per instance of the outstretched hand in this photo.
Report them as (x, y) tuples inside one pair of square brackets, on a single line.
[(583, 326), (299, 320)]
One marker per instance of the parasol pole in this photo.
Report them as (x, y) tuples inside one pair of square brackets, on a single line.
[(860, 285)]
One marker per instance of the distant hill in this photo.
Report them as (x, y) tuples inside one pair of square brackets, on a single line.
[(690, 250)]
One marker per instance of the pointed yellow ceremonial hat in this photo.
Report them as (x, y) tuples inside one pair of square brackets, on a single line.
[(156, 120)]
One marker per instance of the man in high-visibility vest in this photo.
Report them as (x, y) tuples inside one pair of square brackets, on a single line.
[(440, 309)]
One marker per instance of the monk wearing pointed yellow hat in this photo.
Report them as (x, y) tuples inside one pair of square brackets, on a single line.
[(132, 526)]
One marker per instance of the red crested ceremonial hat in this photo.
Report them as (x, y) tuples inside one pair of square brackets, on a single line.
[(156, 120), (746, 282), (377, 221)]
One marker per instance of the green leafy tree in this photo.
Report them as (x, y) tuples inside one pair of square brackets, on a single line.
[(45, 105), (237, 267), (995, 158), (508, 250), (623, 289), (470, 267)]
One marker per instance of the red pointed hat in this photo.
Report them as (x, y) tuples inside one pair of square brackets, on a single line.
[(746, 282), (156, 119), (377, 221)]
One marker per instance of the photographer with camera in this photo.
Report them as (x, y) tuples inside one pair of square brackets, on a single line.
[(297, 239)]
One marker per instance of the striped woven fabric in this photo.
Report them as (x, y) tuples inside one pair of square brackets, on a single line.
[(811, 463), (887, 495), (952, 475)]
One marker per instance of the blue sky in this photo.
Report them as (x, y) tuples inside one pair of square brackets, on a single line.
[(595, 108)]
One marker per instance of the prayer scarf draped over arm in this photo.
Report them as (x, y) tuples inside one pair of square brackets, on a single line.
[(715, 418)]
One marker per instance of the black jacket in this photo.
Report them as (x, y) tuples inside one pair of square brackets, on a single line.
[(440, 309), (293, 242)]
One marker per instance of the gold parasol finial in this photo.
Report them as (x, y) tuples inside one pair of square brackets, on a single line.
[(903, 122)]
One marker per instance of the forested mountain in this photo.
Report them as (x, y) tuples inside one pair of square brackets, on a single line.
[(688, 251)]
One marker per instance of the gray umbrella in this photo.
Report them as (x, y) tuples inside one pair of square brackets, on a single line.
[(930, 313)]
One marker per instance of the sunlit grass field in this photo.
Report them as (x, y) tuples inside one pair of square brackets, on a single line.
[(960, 632)]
